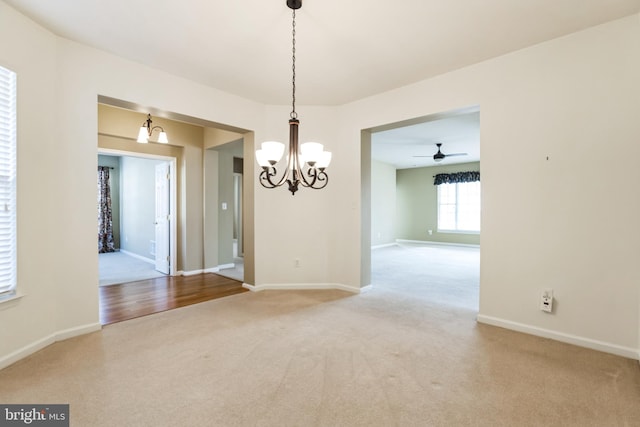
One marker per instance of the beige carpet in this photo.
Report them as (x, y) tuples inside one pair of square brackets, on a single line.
[(325, 358)]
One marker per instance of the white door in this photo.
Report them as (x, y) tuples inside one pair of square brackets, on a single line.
[(162, 217)]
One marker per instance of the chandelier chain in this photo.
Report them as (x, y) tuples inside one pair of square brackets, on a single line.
[(294, 115)]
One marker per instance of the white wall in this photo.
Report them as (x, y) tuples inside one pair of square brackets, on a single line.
[(542, 221), (566, 99), (57, 75), (300, 226), (33, 320), (383, 203), (138, 200)]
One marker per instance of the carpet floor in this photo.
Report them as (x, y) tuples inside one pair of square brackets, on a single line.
[(401, 354), (118, 267)]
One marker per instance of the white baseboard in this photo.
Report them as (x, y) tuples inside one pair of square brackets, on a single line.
[(384, 245), (38, 345), (303, 287), (429, 242), (140, 257), (206, 270), (190, 272), (631, 353)]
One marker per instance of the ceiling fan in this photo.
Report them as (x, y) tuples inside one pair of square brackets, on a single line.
[(440, 156)]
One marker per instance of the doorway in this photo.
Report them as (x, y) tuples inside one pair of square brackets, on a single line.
[(224, 210), (400, 162), (143, 200)]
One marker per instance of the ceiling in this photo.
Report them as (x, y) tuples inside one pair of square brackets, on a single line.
[(458, 133), (345, 51)]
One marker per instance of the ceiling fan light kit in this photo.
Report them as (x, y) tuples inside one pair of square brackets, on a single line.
[(440, 156)]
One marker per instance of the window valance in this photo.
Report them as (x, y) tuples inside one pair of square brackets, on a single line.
[(453, 178)]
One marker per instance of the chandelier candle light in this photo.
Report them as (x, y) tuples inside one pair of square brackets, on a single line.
[(146, 130), (306, 163)]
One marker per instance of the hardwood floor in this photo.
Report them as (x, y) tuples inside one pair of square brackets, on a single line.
[(136, 299)]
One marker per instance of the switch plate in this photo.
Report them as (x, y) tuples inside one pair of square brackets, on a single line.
[(224, 206)]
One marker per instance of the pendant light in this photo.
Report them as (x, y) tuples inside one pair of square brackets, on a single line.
[(147, 129), (306, 163)]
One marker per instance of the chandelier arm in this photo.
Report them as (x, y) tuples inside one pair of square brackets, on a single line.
[(151, 129), (311, 173), (318, 176), (265, 175)]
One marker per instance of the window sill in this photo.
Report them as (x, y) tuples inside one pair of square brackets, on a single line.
[(11, 297), (477, 233)]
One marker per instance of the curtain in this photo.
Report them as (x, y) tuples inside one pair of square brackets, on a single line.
[(453, 178), (105, 220)]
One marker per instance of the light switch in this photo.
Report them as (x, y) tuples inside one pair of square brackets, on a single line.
[(224, 206)]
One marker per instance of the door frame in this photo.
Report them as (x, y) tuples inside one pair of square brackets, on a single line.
[(173, 227)]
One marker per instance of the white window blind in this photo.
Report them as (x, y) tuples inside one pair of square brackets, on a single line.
[(7, 182)]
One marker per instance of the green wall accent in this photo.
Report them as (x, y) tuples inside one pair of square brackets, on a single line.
[(417, 205)]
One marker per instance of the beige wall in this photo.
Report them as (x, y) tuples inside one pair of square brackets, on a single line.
[(417, 205), (35, 320), (117, 130), (542, 219)]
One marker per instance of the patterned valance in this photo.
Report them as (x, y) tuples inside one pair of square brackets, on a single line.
[(453, 178)]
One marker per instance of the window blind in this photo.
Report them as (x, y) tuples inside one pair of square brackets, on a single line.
[(7, 182)]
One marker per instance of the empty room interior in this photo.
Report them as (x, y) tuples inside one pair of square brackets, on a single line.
[(430, 210)]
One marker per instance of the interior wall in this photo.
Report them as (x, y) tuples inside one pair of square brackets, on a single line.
[(546, 113), (211, 212), (58, 88), (220, 146), (542, 218), (383, 203), (417, 205), (113, 162), (138, 205), (299, 227), (34, 320), (226, 154)]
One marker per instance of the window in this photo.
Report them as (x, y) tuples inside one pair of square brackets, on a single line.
[(459, 207), (7, 182)]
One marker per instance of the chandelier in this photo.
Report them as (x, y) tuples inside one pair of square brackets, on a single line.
[(306, 163), (147, 129)]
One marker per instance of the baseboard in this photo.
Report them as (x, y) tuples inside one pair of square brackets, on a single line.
[(38, 345), (303, 287), (212, 270), (140, 257), (384, 245), (631, 353), (190, 272), (429, 242), (225, 266)]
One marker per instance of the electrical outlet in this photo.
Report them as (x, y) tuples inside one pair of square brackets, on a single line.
[(546, 303)]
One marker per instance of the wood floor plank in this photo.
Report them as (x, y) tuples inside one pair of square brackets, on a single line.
[(144, 297)]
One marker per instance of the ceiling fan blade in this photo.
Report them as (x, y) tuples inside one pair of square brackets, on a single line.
[(420, 156), (455, 154)]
